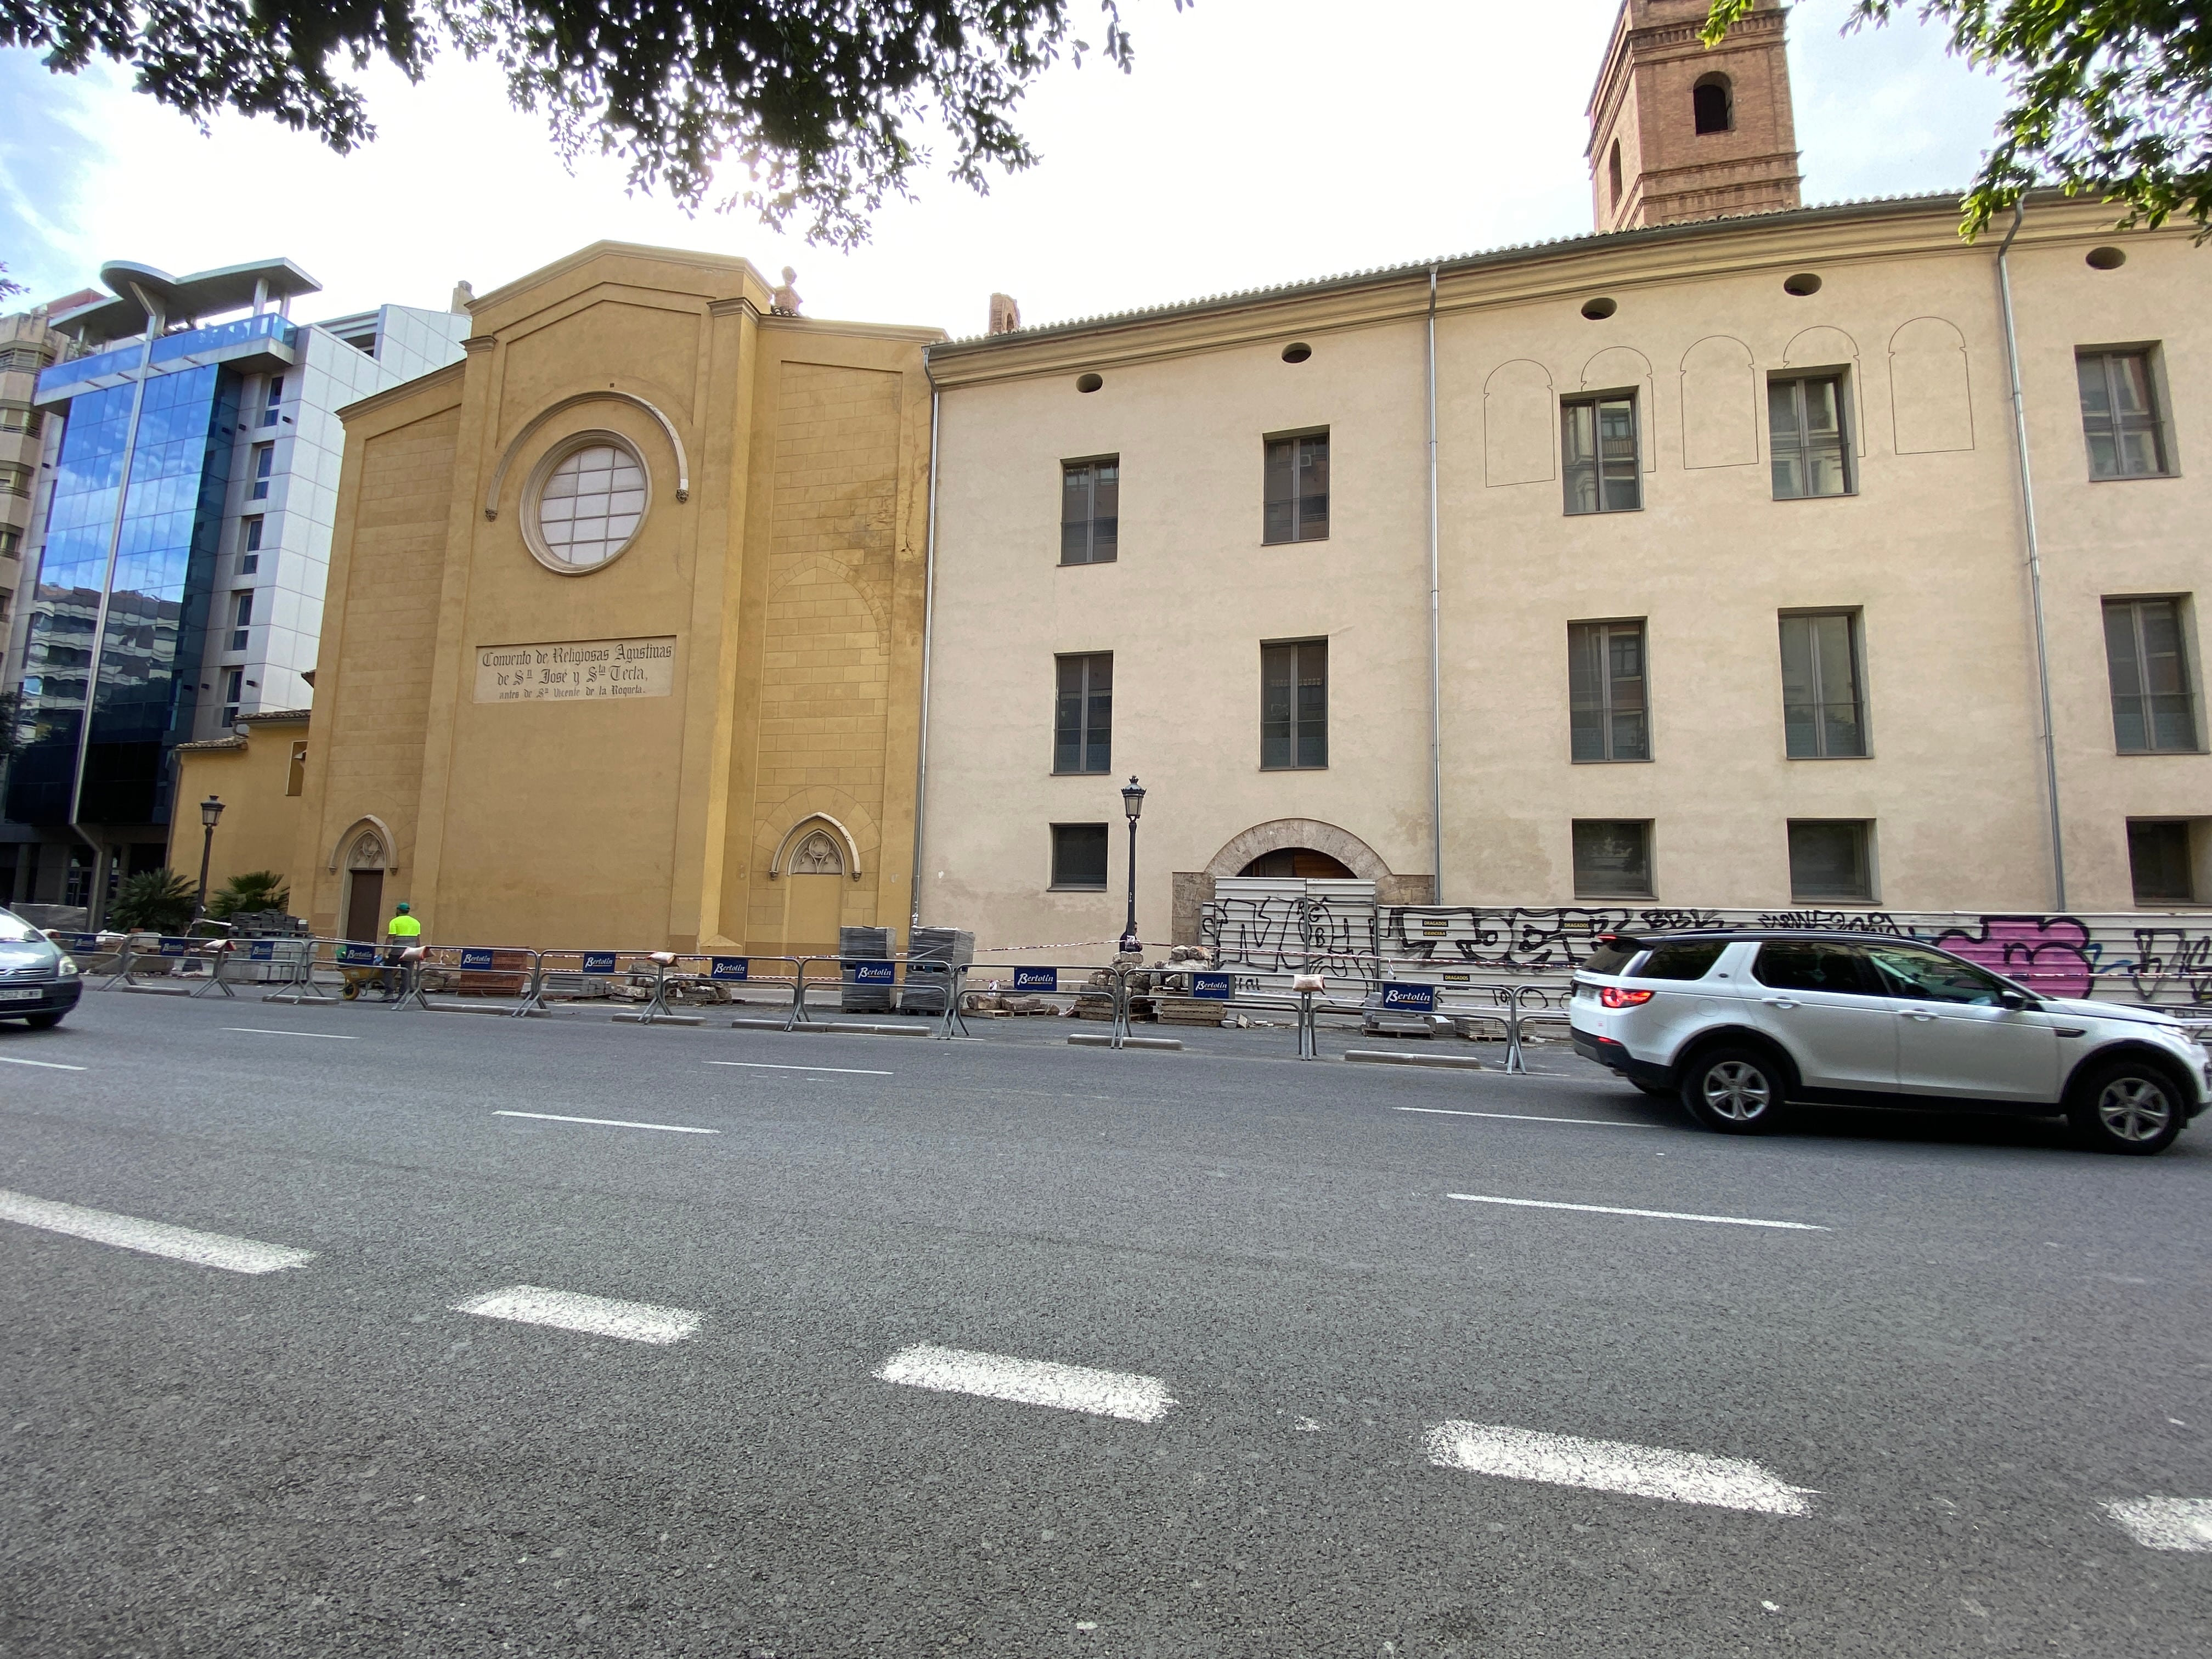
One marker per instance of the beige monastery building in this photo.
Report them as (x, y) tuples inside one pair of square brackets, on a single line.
[(1741, 555)]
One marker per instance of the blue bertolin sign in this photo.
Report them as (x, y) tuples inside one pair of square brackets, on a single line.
[(261, 950), (355, 955), (599, 961), (870, 973), (473, 958), (173, 947), (730, 968), (1221, 985), (1417, 999), (75, 941), (1036, 978)]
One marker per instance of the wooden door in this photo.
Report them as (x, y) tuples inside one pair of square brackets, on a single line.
[(365, 905)]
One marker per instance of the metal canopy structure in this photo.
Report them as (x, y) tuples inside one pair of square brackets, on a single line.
[(142, 291)]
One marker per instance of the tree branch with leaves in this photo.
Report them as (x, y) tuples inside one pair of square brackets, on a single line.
[(2111, 99), (818, 99)]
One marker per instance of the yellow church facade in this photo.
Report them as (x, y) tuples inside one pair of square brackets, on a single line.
[(617, 608)]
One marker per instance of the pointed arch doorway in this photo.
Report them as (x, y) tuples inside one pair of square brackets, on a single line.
[(814, 896)]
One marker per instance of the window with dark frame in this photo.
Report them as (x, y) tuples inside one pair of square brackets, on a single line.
[(1609, 705), (1709, 105), (1090, 510), (2120, 415), (269, 415), (249, 558), (234, 694), (1807, 437), (1083, 714), (1079, 856), (1831, 860), (2153, 694), (264, 462), (2160, 863), (1823, 709), (1294, 705), (1612, 857), (1598, 439), (1296, 486)]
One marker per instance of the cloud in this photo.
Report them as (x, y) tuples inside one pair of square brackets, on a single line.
[(1253, 144)]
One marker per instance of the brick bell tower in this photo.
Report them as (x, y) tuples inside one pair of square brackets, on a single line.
[(1679, 133)]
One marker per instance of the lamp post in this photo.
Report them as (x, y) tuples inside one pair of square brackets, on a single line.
[(1133, 803), (211, 809)]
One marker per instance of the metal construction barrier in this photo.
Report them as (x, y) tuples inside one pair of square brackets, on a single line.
[(1050, 982), (469, 970)]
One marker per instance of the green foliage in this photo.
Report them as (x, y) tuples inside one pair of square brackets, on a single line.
[(156, 901), (9, 287), (815, 97), (2110, 98), (257, 890)]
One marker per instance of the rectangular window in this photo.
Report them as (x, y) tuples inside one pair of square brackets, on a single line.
[(19, 418), (11, 541), (1806, 439), (1608, 712), (1083, 717), (2159, 860), (1294, 705), (1597, 437), (1090, 510), (296, 780), (1079, 856), (233, 692), (14, 481), (23, 359), (2119, 415), (242, 617), (1831, 859), (264, 462), (1612, 857), (1297, 489), (249, 545), (2147, 654), (276, 400), (1823, 714)]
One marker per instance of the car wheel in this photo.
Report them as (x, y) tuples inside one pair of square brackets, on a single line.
[(1737, 1091), (2126, 1106), (45, 1021)]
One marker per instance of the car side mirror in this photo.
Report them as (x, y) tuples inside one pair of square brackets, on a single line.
[(2016, 1000)]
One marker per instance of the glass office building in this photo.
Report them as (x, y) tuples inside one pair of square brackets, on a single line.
[(179, 579)]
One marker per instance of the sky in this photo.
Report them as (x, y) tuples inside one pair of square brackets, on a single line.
[(1256, 142)]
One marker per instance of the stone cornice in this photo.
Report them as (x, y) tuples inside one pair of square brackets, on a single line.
[(437, 380)]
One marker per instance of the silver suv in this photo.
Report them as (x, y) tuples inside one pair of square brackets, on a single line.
[(1738, 1024)]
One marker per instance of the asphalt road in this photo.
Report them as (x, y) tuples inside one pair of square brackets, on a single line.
[(1926, 1391)]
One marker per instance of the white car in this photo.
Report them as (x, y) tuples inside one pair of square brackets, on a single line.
[(1739, 1024)]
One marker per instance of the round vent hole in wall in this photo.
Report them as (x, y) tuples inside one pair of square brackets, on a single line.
[(1088, 382), (1297, 352), (1802, 284), (1598, 310), (2106, 259)]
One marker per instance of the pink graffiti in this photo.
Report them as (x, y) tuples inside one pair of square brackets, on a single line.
[(2045, 953)]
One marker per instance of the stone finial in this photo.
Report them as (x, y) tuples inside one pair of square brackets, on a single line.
[(785, 301), (1005, 315), (465, 296)]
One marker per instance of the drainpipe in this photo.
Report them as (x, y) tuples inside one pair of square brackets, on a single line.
[(97, 910), (2034, 556), (1436, 632), (928, 632)]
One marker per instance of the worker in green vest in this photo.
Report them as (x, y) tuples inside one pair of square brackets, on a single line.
[(402, 931)]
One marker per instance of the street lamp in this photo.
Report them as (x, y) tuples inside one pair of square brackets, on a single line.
[(1133, 803), (211, 809)]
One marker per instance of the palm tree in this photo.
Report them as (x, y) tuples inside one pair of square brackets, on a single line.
[(156, 901), (256, 890)]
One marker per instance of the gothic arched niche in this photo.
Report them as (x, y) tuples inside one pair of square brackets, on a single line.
[(1519, 441), (818, 855)]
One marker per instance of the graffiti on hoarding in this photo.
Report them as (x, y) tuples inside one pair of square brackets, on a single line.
[(2114, 957)]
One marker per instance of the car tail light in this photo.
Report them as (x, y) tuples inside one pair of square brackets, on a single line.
[(1614, 997)]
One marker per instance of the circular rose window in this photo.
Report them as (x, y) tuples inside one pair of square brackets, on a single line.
[(586, 502)]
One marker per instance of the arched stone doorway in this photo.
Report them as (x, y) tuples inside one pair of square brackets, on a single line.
[(814, 899), (1261, 850), (1299, 863), (367, 858)]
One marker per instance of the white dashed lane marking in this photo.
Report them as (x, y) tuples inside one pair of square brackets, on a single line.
[(44, 1065), (609, 1122), (594, 1316), (2167, 1523), (1651, 1215), (1528, 1117), (1030, 1382), (260, 1030), (765, 1066), (238, 1256), (1559, 1460)]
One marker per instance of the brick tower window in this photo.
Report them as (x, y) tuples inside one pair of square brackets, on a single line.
[(1613, 170), (1711, 105)]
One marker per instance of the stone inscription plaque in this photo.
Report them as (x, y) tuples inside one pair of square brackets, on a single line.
[(571, 670)]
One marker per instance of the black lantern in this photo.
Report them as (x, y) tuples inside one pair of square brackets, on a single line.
[(1133, 804), (211, 809)]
